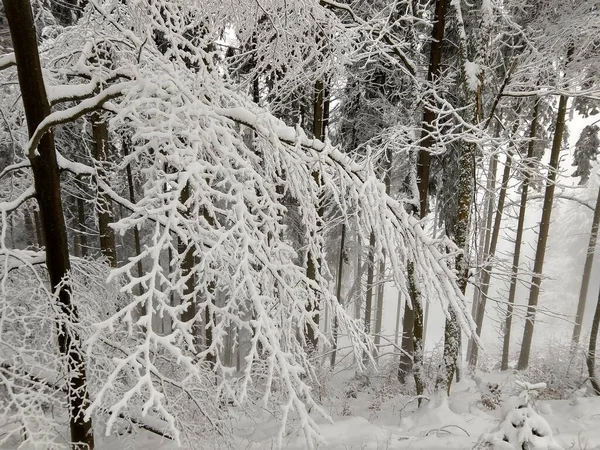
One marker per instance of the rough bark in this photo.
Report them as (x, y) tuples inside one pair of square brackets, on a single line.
[(105, 215), (313, 262), (136, 231), (540, 253), (518, 240), (338, 293), (370, 278), (487, 270), (187, 267), (591, 355), (48, 194), (413, 339), (587, 272), (387, 179), (82, 233), (398, 311), (485, 236)]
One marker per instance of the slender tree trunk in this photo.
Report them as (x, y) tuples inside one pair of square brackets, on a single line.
[(414, 331), (540, 253), (398, 314), (187, 268), (39, 233), (379, 309), (370, 277), (29, 227), (405, 366), (587, 272), (83, 245), (136, 231), (387, 179), (48, 194), (359, 275), (591, 356), (518, 240), (485, 236), (487, 271), (338, 293), (313, 265), (105, 215)]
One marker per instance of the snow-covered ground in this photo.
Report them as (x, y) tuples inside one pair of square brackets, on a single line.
[(370, 413)]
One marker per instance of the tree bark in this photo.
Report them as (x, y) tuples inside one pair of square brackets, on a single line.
[(587, 272), (81, 227), (48, 194), (540, 253), (105, 215), (487, 271), (313, 261), (518, 240), (136, 231), (370, 277), (485, 236), (338, 293), (413, 335), (187, 267), (591, 355)]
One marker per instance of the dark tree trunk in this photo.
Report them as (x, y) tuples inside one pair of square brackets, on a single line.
[(136, 231), (338, 293), (540, 253), (591, 355), (413, 337), (314, 262), (82, 232), (48, 194), (518, 240), (187, 267), (487, 270), (370, 277), (587, 272), (105, 215)]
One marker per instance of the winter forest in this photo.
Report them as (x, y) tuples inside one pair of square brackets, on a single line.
[(299, 224)]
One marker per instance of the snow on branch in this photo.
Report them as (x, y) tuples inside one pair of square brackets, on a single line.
[(70, 114)]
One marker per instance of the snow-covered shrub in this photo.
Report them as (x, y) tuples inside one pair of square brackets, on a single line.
[(560, 366), (522, 428)]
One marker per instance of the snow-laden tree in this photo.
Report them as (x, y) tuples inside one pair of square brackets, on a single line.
[(213, 201)]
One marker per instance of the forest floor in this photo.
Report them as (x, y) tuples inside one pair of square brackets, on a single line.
[(371, 413)]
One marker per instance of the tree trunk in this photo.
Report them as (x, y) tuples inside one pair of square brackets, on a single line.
[(398, 311), (485, 236), (105, 215), (313, 261), (370, 276), (359, 275), (379, 309), (460, 232), (81, 227), (48, 194), (387, 179), (518, 240), (136, 231), (587, 271), (413, 336), (540, 253), (187, 267), (591, 355), (338, 293), (487, 271)]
